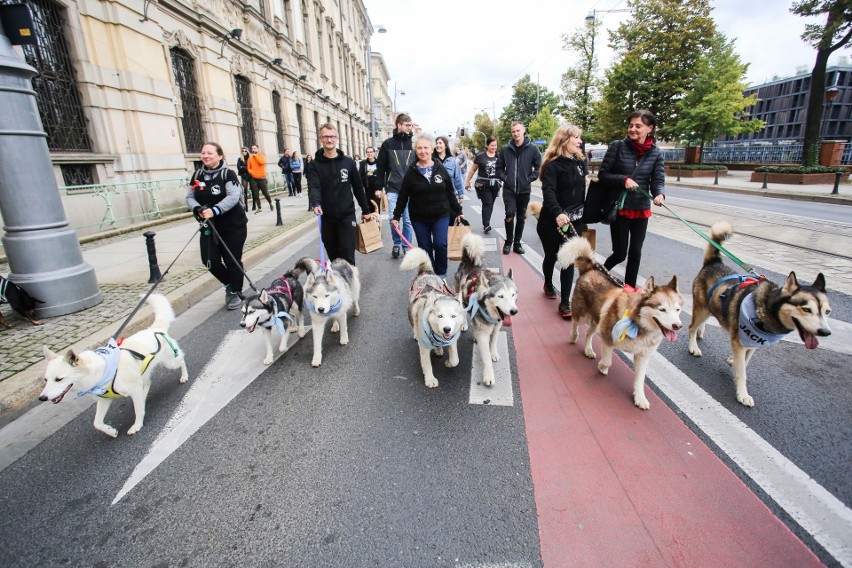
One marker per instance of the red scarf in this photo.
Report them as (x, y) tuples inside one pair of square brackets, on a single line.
[(643, 147)]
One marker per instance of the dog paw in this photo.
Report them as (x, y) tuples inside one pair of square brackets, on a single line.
[(112, 432), (183, 379), (745, 400), (695, 351), (316, 362), (344, 340), (431, 382), (438, 352), (451, 363), (603, 369), (590, 354), (133, 429), (335, 327), (488, 381), (640, 401), (357, 311), (267, 361)]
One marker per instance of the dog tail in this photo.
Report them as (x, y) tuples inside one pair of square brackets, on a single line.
[(720, 232), (577, 251), (416, 258), (164, 315), (473, 250), (303, 266), (534, 208)]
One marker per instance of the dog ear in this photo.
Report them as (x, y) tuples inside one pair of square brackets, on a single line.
[(71, 358), (819, 283), (509, 275), (310, 280), (264, 297), (48, 354), (673, 283), (649, 284), (791, 285)]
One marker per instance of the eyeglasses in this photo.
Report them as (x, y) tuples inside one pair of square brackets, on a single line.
[(406, 124), (329, 137)]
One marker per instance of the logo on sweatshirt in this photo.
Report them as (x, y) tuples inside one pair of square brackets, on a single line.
[(439, 179), (215, 190), (344, 176)]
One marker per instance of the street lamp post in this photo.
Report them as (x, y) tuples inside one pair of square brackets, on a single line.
[(381, 30), (830, 95), (401, 93)]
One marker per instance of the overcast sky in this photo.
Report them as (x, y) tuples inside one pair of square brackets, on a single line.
[(453, 58)]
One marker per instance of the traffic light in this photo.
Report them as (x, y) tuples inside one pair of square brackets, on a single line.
[(461, 132)]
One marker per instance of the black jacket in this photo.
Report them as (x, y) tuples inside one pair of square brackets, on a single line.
[(395, 155), (331, 184), (518, 166), (284, 164), (218, 189), (427, 200), (242, 167), (563, 187), (371, 183), (619, 164)]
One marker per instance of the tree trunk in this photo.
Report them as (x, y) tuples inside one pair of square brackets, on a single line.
[(813, 120)]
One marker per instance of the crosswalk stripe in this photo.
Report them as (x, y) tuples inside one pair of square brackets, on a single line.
[(500, 393)]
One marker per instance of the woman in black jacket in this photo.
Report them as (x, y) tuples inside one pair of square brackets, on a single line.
[(242, 172), (428, 192), (635, 162), (563, 187)]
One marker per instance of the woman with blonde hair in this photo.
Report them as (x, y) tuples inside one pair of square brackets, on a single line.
[(563, 187)]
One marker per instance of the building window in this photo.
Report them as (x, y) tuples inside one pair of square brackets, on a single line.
[(183, 67), (279, 125), (320, 48), (317, 127), (244, 110), (305, 20), (57, 97), (331, 54), (302, 146), (77, 174)]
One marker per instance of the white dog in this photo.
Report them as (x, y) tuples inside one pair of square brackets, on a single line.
[(329, 295), (116, 371), (435, 313)]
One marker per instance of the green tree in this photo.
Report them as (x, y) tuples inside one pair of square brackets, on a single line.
[(657, 51), (528, 99), (543, 125), (715, 106), (826, 38), (580, 83), (482, 126)]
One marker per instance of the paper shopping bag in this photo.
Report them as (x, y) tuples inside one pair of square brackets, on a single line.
[(385, 204), (454, 238), (368, 236)]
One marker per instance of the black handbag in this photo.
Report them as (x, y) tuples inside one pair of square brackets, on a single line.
[(601, 205)]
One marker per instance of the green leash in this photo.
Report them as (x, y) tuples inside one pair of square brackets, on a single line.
[(722, 249)]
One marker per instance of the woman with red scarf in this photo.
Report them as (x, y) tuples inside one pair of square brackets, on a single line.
[(630, 163)]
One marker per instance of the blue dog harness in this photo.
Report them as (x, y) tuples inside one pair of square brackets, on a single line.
[(429, 339), (111, 354), (474, 307)]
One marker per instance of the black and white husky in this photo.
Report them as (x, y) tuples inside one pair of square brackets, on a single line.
[(490, 298), (435, 313), (115, 371), (329, 295), (281, 306)]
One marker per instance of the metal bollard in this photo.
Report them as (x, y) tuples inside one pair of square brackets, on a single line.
[(152, 257), (716, 181), (765, 179), (836, 189), (278, 221), (678, 173)]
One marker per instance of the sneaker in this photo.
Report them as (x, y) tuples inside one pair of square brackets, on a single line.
[(518, 249), (507, 248), (565, 309), (232, 299), (550, 292), (487, 229), (258, 210), (395, 251)]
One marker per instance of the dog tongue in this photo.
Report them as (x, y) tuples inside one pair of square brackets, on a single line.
[(507, 320), (811, 341), (670, 335)]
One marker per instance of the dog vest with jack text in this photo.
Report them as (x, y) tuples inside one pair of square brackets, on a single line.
[(752, 332)]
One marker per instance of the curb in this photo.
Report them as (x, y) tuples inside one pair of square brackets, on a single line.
[(817, 198), (19, 393)]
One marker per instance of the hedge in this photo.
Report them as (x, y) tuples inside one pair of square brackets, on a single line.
[(800, 169)]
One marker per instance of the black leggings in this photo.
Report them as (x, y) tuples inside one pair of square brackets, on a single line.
[(218, 261), (338, 237), (297, 183), (624, 231), (488, 195), (551, 240)]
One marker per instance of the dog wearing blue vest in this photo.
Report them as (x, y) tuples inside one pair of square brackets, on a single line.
[(753, 311), (117, 370), (330, 293), (435, 313)]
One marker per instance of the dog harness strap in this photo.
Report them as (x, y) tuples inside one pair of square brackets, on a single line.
[(110, 353), (331, 311), (277, 316), (742, 280), (752, 333), (282, 290), (475, 308), (429, 339), (625, 327)]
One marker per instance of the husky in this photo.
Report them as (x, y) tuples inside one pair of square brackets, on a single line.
[(754, 312), (329, 295), (435, 313), (280, 306), (632, 322), (19, 300), (490, 299), (115, 371)]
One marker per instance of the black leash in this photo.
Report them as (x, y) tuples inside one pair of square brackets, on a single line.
[(209, 223)]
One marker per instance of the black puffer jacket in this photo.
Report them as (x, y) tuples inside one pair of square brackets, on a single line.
[(427, 200), (563, 186), (619, 164)]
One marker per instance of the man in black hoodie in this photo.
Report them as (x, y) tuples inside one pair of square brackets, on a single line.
[(395, 156), (517, 165), (332, 181)]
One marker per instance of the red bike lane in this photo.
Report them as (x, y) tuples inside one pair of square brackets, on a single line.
[(618, 486)]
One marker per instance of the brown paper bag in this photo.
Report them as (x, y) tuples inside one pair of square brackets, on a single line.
[(385, 205), (368, 236), (454, 239), (591, 235)]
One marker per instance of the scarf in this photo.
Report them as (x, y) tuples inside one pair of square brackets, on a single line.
[(643, 147)]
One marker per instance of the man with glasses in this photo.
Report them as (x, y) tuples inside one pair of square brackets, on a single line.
[(395, 157), (517, 165), (332, 181)]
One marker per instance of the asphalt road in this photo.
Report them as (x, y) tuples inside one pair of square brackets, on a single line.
[(357, 463)]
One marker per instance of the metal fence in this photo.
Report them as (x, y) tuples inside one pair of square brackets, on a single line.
[(778, 154)]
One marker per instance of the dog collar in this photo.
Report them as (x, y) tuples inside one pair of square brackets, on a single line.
[(110, 353), (277, 317), (331, 311), (429, 339), (474, 307), (625, 327), (751, 332)]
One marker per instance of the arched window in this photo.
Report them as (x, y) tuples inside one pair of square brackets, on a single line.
[(279, 123), (184, 70), (244, 109)]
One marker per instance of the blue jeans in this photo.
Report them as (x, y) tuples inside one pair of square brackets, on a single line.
[(404, 221), (432, 237)]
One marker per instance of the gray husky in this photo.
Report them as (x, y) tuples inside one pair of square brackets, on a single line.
[(435, 313), (489, 297), (329, 295), (280, 306), (754, 312)]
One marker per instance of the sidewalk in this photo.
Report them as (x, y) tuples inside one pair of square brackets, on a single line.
[(121, 266)]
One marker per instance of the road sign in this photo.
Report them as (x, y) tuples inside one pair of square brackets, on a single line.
[(540, 141)]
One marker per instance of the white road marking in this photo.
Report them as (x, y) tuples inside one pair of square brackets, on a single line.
[(500, 393), (237, 362)]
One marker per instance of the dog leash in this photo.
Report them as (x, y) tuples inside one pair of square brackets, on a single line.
[(323, 263), (723, 250), (209, 223), (401, 236)]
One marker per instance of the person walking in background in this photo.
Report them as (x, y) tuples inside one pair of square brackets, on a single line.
[(487, 184), (461, 158), (245, 178), (214, 197), (256, 165), (308, 160), (296, 169), (563, 188), (443, 154), (370, 179), (430, 196), (395, 155), (287, 172), (332, 181), (635, 162), (517, 166), (357, 159)]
